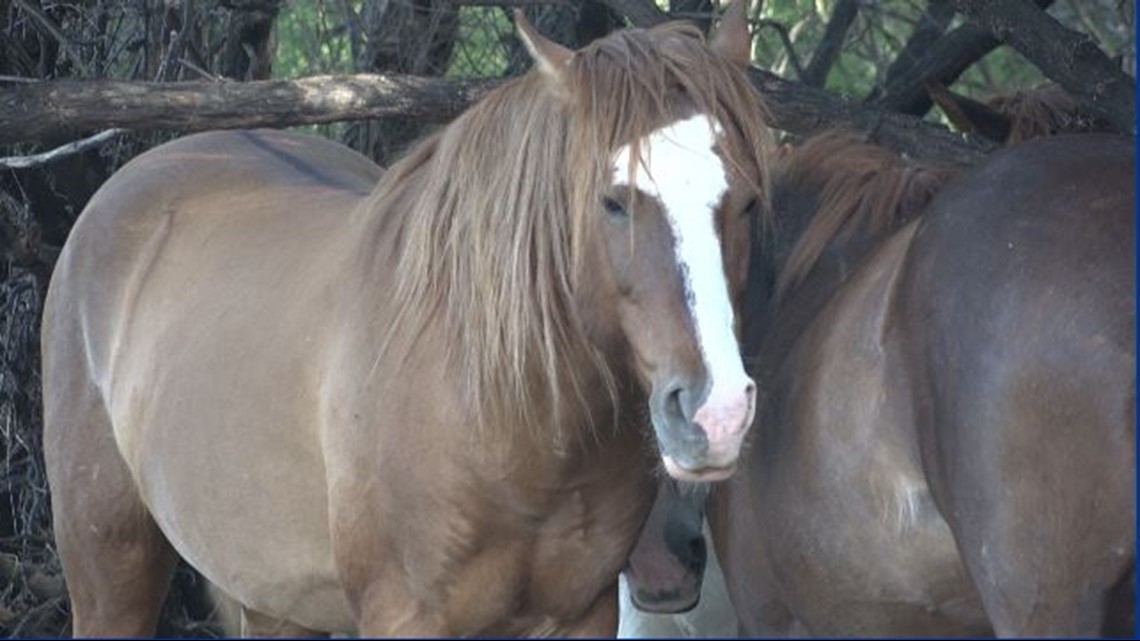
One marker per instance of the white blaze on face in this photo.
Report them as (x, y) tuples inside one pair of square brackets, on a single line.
[(679, 167)]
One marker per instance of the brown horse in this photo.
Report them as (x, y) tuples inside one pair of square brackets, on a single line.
[(946, 441), (416, 403)]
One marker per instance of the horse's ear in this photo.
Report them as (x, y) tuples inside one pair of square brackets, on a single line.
[(969, 116), (733, 39), (550, 57)]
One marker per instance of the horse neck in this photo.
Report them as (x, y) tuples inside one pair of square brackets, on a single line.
[(778, 317), (551, 376), (775, 320)]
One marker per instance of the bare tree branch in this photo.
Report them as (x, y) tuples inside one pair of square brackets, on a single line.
[(842, 17), (71, 148), (789, 46), (1070, 58), (931, 25), (943, 61)]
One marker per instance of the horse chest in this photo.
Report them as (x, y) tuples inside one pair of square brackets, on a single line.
[(547, 568)]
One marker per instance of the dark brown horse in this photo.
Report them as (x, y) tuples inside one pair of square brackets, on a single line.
[(945, 442), (667, 565), (673, 585), (416, 403)]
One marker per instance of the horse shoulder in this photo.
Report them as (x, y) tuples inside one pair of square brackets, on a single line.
[(846, 473)]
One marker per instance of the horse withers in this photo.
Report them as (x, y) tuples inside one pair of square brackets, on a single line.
[(432, 401), (946, 440)]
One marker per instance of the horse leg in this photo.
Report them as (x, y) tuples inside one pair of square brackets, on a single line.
[(1066, 593), (256, 624), (1053, 532), (1120, 618), (117, 564), (388, 611)]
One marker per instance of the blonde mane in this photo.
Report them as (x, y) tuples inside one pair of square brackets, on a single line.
[(492, 211), (860, 186)]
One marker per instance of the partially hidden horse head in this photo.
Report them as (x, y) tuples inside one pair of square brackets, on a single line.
[(666, 569)]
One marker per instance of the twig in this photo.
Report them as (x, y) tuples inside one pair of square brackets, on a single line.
[(52, 29), (198, 70), (842, 17), (20, 79), (71, 148), (929, 28), (171, 51), (38, 611), (786, 38)]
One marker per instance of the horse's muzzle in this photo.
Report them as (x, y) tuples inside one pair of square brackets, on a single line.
[(702, 443)]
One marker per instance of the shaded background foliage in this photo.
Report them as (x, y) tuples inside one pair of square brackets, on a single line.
[(860, 49)]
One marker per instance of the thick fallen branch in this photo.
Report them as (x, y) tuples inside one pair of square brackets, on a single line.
[(803, 110), (44, 111), (54, 110), (1070, 58)]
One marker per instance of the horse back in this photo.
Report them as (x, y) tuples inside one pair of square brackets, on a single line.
[(207, 184), (1018, 307)]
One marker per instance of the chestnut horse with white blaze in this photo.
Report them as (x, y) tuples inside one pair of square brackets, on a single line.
[(425, 402)]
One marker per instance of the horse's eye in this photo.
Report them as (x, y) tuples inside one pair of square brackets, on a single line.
[(615, 209)]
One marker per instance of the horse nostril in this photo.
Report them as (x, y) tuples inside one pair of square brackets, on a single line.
[(698, 553), (750, 392), (673, 403)]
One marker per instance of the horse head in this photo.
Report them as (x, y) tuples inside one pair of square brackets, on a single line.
[(666, 150), (666, 569)]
